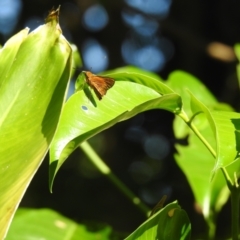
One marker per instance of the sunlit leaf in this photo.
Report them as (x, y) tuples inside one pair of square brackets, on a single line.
[(31, 97), (84, 117), (169, 223)]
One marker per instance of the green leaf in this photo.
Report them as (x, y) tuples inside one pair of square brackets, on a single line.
[(195, 160), (225, 126), (142, 77), (84, 117), (228, 137), (9, 51), (209, 195), (80, 82), (134, 70), (77, 61), (48, 224), (169, 223), (221, 132), (237, 52), (182, 82), (31, 98)]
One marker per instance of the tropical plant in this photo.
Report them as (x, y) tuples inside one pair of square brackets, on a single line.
[(36, 118)]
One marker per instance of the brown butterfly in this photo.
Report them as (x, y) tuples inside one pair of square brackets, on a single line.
[(99, 84)]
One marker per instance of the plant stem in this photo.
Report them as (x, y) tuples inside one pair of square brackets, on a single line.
[(211, 226), (235, 196), (235, 213), (104, 169), (198, 134)]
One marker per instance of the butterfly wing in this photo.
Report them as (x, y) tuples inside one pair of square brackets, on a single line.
[(99, 84)]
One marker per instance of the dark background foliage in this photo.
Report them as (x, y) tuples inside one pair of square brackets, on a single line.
[(156, 35)]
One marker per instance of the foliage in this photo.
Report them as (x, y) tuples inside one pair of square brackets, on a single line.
[(34, 117), (48, 224), (32, 92)]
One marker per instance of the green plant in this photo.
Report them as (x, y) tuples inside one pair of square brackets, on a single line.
[(35, 118)]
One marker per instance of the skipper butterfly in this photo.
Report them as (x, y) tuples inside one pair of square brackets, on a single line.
[(99, 84)]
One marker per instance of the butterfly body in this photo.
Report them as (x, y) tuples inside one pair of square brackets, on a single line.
[(99, 84)]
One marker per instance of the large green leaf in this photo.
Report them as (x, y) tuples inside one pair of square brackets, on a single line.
[(134, 70), (197, 163), (225, 126), (83, 117), (8, 53), (195, 160), (221, 134), (182, 82), (47, 224), (169, 223), (31, 97), (145, 80)]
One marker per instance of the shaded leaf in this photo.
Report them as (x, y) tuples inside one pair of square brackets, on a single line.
[(48, 224)]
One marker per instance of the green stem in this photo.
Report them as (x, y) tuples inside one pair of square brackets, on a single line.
[(198, 134), (235, 196), (104, 169), (211, 226), (235, 213)]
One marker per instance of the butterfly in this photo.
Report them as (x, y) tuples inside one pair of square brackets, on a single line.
[(99, 84)]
